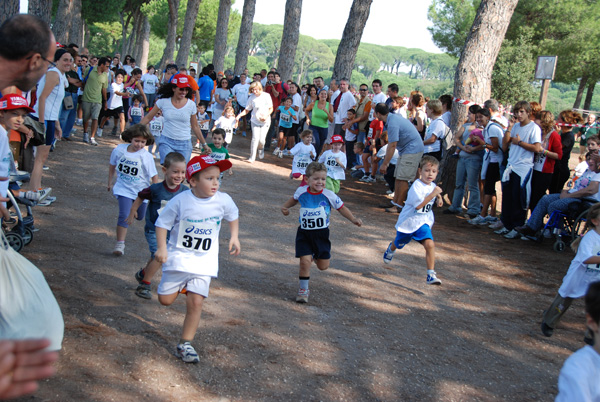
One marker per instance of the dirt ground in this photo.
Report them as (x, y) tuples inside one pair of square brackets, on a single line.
[(371, 332)]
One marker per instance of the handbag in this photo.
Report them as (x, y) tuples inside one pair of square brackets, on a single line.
[(39, 131), (68, 102)]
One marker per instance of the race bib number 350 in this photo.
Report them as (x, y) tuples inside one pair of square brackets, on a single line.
[(313, 218), (197, 237)]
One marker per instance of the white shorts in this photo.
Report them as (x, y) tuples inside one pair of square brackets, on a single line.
[(174, 281)]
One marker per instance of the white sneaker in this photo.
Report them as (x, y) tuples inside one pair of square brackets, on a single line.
[(513, 234), (86, 137), (39, 195), (99, 132), (276, 151), (187, 353), (432, 279), (280, 154), (478, 220), (119, 249), (502, 231), (261, 154), (497, 225), (93, 141)]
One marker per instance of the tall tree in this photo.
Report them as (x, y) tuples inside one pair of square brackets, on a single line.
[(346, 52), (452, 20), (145, 39), (473, 77), (289, 39), (41, 8), (243, 46), (221, 35), (171, 33), (188, 30), (8, 8)]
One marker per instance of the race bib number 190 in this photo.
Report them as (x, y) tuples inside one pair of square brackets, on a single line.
[(197, 237)]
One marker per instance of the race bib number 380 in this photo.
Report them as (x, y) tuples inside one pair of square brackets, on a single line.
[(313, 218), (197, 237)]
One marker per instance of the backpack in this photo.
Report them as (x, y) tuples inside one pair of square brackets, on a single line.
[(446, 141)]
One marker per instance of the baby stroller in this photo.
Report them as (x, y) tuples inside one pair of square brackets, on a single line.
[(18, 231)]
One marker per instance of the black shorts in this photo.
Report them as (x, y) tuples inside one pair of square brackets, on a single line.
[(492, 175), (287, 131), (313, 242), (114, 112)]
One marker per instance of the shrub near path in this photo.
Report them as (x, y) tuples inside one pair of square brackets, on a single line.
[(370, 332)]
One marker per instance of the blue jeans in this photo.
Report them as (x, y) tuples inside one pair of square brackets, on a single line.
[(167, 145), (319, 137), (67, 117), (467, 171), (546, 205)]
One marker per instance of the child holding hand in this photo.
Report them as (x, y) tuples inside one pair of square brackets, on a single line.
[(312, 237)]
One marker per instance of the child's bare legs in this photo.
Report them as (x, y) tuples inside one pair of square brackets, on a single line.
[(429, 253), (151, 269), (488, 200), (365, 162), (121, 233), (192, 315), (281, 141), (121, 122), (306, 262), (291, 141)]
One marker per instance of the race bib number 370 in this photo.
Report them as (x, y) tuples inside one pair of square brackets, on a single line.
[(197, 237)]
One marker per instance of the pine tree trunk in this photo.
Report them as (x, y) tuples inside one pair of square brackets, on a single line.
[(171, 34), (41, 8), (346, 52), (587, 104), (243, 46), (473, 76), (124, 28), (62, 21), (143, 61), (188, 30), (582, 84), (76, 30), (221, 35), (289, 38), (139, 39), (8, 8)]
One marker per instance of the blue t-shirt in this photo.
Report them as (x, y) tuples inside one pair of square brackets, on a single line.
[(205, 86), (315, 209), (403, 132), (286, 117), (158, 195)]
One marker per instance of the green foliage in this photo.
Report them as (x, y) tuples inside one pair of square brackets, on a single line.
[(514, 70), (452, 21), (103, 37)]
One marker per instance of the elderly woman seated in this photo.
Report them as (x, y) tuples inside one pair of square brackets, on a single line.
[(587, 186)]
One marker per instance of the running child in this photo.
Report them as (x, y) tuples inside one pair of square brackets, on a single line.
[(156, 127), (157, 196), (191, 258), (218, 150), (203, 121), (136, 110), (312, 237), (287, 116), (228, 123), (304, 153), (114, 105), (135, 170), (416, 219), (335, 160), (584, 269)]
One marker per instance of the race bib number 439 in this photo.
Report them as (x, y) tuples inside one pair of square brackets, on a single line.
[(129, 167), (197, 237), (313, 218)]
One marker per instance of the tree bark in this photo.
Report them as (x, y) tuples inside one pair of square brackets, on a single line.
[(473, 76), (221, 35), (289, 39), (188, 30), (76, 31), (346, 51), (124, 28), (8, 8), (41, 8), (243, 46), (136, 42), (62, 21), (143, 62), (171, 34), (587, 104), (582, 84)]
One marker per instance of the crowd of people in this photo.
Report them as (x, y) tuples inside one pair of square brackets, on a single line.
[(329, 131)]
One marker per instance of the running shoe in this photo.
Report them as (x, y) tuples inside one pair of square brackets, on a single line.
[(187, 353), (432, 279), (276, 151), (513, 234), (119, 249), (39, 195), (502, 231), (99, 132), (302, 296), (86, 137), (496, 225), (261, 154), (388, 255), (478, 220), (93, 141), (144, 291)]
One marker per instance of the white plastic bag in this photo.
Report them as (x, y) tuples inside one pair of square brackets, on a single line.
[(28, 308)]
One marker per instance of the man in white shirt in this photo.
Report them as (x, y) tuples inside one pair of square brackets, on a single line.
[(378, 97), (341, 103)]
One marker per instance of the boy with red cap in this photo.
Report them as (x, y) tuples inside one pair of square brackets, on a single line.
[(191, 257), (335, 160)]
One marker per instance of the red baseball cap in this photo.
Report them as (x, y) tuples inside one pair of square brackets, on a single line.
[(13, 101), (181, 80), (201, 162), (337, 138)]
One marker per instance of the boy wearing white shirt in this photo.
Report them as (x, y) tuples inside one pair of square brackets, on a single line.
[(436, 130), (416, 219), (191, 257)]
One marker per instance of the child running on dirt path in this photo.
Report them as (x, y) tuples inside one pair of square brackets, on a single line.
[(335, 160), (135, 169), (312, 237), (304, 152), (191, 258), (157, 196), (416, 219)]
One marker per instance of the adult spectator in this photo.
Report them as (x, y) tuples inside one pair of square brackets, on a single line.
[(93, 61), (261, 107), (363, 111), (150, 85), (417, 115), (231, 79), (321, 114), (94, 95), (276, 89), (116, 62), (264, 78), (494, 107), (130, 66), (170, 71), (133, 86), (446, 108), (403, 136), (248, 79), (341, 104), (561, 169), (222, 97), (378, 96), (392, 92), (193, 85), (67, 116), (179, 113), (583, 133), (27, 48), (241, 92), (319, 83), (205, 87)]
